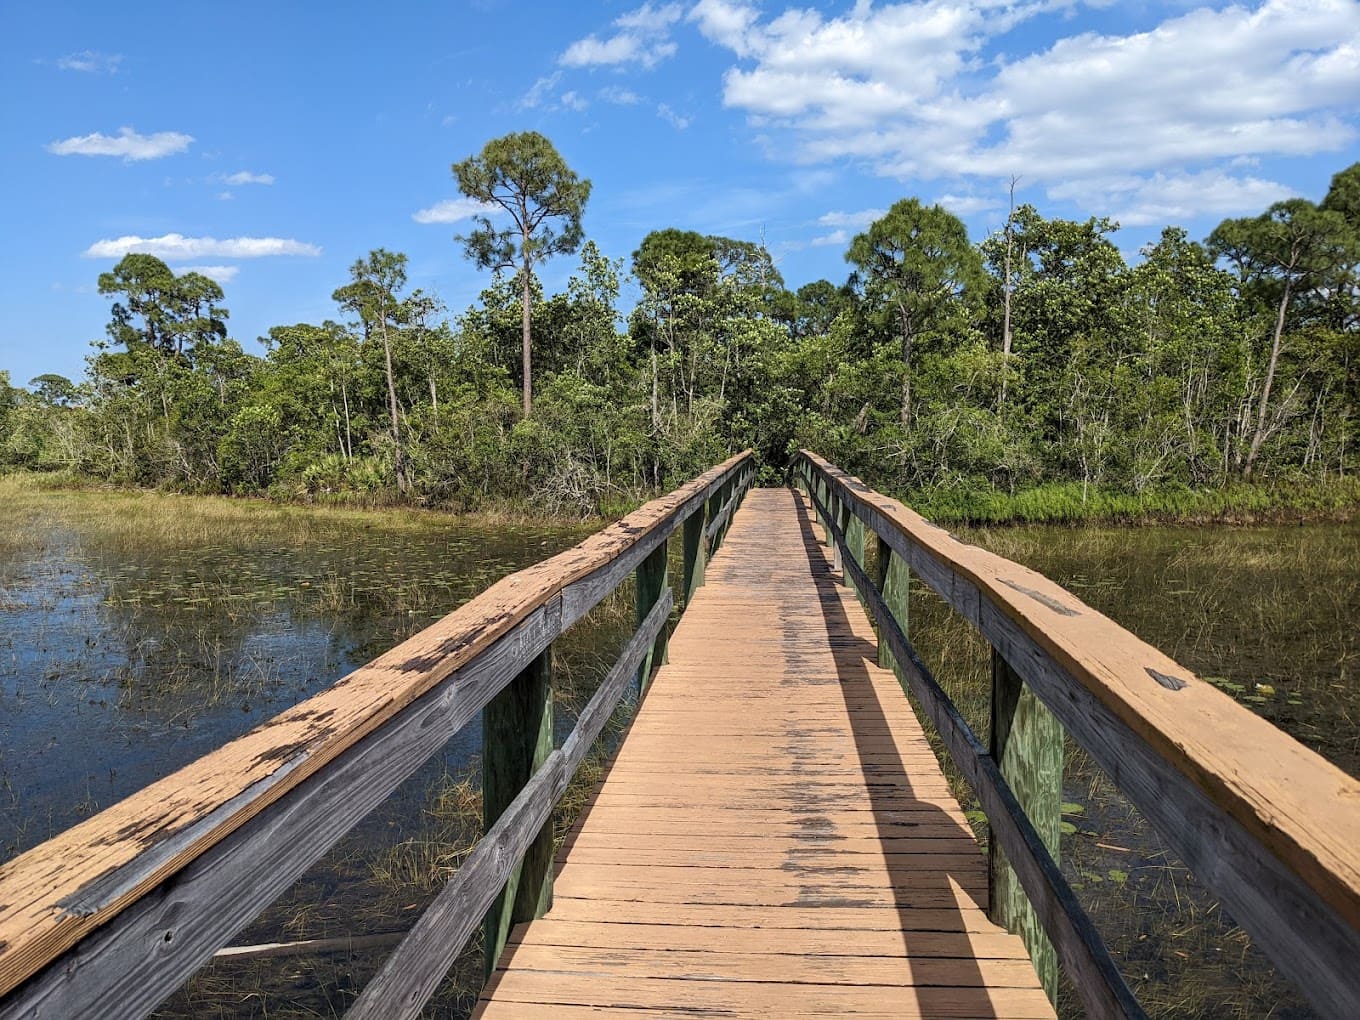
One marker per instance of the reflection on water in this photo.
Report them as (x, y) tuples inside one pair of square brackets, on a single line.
[(121, 660), (137, 633), (1268, 614)]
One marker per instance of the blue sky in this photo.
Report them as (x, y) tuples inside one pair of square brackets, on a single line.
[(276, 143)]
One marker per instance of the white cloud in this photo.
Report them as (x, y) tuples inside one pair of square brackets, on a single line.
[(127, 143), (835, 237), (454, 210), (177, 246), (574, 101), (539, 90), (91, 62), (912, 91), (225, 196), (966, 205), (246, 177), (675, 120), (857, 220), (222, 274), (643, 38), (618, 96), (1171, 197)]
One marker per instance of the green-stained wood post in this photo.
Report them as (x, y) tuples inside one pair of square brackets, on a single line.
[(715, 505), (894, 584), (1027, 745), (653, 574), (517, 737), (694, 553), (854, 541)]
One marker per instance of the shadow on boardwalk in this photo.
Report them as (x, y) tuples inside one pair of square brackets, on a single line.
[(934, 893)]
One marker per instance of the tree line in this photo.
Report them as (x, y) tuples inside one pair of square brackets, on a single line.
[(1036, 357)]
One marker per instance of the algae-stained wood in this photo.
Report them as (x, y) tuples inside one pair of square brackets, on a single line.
[(1027, 744), (774, 837), (517, 737), (1279, 844), (57, 893)]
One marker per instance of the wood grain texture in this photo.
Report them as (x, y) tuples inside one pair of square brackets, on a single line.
[(774, 837), (1265, 823), (59, 892), (1026, 742), (410, 975), (1083, 955), (1290, 799)]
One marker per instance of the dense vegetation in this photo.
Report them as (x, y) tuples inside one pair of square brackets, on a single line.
[(1035, 369)]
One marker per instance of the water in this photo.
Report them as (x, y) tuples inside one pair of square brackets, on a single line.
[(138, 632), (1266, 613)]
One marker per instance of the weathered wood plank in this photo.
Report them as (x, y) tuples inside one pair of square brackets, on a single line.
[(517, 737), (411, 974), (1026, 743), (1280, 844), (1083, 954), (774, 798), (111, 974), (56, 893)]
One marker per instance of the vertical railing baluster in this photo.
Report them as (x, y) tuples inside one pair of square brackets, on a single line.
[(894, 583), (653, 575), (694, 557), (517, 737), (1027, 745)]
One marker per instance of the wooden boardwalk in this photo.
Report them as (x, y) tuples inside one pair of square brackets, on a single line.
[(775, 837)]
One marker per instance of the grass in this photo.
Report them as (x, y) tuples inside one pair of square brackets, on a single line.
[(1268, 612), (1071, 503)]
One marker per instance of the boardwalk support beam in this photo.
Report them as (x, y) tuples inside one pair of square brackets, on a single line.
[(653, 577), (1027, 744), (517, 737)]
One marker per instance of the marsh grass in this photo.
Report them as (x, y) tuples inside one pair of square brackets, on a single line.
[(1265, 613), (1336, 499)]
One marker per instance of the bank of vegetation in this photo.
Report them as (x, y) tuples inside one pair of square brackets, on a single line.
[(1035, 375)]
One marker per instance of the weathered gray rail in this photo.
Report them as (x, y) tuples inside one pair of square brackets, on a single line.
[(1266, 824), (111, 916)]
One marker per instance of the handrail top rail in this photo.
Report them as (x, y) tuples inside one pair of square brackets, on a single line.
[(54, 894), (1290, 799)]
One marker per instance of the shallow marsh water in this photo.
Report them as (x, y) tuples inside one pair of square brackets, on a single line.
[(140, 631), (1268, 614)]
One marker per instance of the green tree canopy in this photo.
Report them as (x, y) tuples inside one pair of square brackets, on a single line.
[(916, 261), (524, 175)]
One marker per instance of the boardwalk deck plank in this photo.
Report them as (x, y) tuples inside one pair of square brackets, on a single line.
[(775, 836)]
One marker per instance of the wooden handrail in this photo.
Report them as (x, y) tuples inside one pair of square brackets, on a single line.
[(1267, 824), (194, 842)]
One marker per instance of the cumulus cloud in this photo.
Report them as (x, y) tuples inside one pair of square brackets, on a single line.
[(246, 177), (127, 143), (177, 246), (618, 96), (966, 205), (857, 220), (454, 210), (675, 120), (913, 90), (222, 274), (1170, 197), (642, 38), (91, 62)]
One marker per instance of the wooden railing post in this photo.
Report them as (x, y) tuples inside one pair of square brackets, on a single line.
[(694, 557), (1027, 745), (894, 582), (715, 505), (653, 576), (854, 542), (517, 737)]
